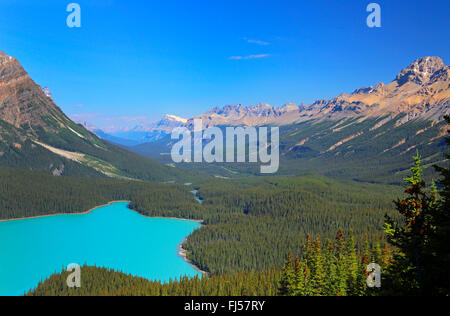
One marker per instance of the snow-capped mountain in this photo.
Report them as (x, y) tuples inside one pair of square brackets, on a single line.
[(419, 91)]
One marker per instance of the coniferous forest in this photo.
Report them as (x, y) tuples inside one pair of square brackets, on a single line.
[(248, 224), (411, 244), (159, 150)]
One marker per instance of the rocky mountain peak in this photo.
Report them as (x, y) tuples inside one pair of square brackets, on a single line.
[(368, 90), (379, 85), (290, 107), (168, 123), (22, 102), (4, 58), (174, 118), (421, 70), (10, 69)]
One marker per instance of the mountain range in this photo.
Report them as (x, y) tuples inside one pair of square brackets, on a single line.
[(36, 135), (420, 91), (368, 135), (139, 134)]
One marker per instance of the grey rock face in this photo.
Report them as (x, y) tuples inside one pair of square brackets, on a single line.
[(421, 71)]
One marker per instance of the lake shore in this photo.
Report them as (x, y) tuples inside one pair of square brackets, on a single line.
[(181, 252), (97, 207), (61, 214)]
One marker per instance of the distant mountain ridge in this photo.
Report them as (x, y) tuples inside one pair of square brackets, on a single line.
[(164, 127), (368, 135), (142, 133), (422, 90)]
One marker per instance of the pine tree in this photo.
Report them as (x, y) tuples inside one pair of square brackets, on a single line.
[(300, 281), (377, 253), (342, 273), (386, 256), (362, 277), (420, 267), (332, 273), (439, 247), (318, 270), (309, 290), (287, 285), (406, 271), (351, 262)]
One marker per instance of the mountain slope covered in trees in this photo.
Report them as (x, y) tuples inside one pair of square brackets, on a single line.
[(36, 135), (368, 135), (416, 265), (26, 193), (248, 225)]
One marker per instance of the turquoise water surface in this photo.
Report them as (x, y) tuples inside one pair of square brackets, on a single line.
[(199, 200), (111, 236)]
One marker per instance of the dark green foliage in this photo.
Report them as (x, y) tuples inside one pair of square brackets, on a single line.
[(251, 224), (19, 151), (328, 269), (26, 194), (369, 150), (420, 265), (104, 282), (377, 155)]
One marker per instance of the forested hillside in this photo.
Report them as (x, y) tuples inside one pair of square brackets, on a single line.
[(252, 224), (416, 265), (249, 224), (105, 282), (368, 135), (35, 134), (26, 194), (363, 149), (332, 268)]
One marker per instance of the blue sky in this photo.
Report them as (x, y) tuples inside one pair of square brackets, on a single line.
[(134, 61)]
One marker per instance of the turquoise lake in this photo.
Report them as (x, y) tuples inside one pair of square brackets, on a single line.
[(112, 236)]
